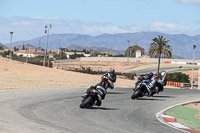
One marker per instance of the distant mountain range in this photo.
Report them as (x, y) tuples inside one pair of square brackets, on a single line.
[(26, 46), (99, 49), (181, 43), (4, 46)]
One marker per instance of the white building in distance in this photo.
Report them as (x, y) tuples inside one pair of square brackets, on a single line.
[(138, 54)]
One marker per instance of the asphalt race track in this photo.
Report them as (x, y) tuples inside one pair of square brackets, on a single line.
[(166, 69), (57, 111)]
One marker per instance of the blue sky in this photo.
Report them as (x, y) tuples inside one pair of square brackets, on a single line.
[(26, 18)]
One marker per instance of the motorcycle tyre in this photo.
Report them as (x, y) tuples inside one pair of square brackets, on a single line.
[(136, 94), (86, 102)]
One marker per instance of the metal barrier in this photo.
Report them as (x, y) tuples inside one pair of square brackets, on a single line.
[(178, 84)]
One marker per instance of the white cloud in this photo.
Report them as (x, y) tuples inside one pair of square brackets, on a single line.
[(169, 28), (112, 29), (194, 2), (38, 17), (132, 28), (25, 28)]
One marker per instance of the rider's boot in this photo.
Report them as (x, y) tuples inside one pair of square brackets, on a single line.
[(98, 102), (84, 95), (111, 85), (150, 94)]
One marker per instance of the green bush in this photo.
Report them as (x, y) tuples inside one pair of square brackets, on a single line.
[(60, 56), (178, 77), (6, 53), (19, 58), (74, 56), (90, 71)]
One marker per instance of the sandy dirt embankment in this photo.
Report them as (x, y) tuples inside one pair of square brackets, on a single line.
[(18, 75)]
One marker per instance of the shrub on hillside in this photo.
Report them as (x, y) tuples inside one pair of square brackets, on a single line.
[(90, 71), (178, 77)]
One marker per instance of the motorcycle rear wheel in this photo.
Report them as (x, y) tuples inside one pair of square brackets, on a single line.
[(86, 102)]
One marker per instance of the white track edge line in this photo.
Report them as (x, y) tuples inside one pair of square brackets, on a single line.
[(158, 115)]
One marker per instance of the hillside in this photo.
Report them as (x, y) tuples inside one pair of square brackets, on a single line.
[(99, 49), (18, 75), (4, 46), (181, 44)]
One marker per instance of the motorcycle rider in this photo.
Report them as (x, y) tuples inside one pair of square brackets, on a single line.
[(150, 81), (101, 93), (162, 81), (103, 89), (111, 78)]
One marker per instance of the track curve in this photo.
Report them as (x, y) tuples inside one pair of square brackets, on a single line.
[(57, 111)]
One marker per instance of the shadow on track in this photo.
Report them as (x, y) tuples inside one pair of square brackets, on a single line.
[(151, 99), (164, 96), (115, 93), (102, 108)]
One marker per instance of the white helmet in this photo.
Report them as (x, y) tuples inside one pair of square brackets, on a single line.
[(163, 73)]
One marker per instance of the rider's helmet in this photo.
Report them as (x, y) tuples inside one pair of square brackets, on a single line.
[(112, 75), (163, 75), (112, 70), (163, 78), (150, 75)]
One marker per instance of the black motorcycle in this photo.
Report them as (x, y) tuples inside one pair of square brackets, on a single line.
[(91, 96), (140, 90), (141, 87)]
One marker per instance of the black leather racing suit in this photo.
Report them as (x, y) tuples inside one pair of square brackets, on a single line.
[(150, 81)]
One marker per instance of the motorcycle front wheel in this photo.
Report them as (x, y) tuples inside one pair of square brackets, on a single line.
[(136, 94)]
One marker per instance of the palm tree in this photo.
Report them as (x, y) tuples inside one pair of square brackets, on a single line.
[(160, 48)]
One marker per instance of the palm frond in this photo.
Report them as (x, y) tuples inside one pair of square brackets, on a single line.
[(160, 47)]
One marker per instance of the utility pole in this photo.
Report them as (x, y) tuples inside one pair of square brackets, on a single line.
[(39, 45), (194, 46), (27, 56), (11, 33), (47, 28)]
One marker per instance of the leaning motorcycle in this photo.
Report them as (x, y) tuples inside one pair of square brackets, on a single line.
[(141, 86), (89, 99), (91, 96), (140, 90)]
